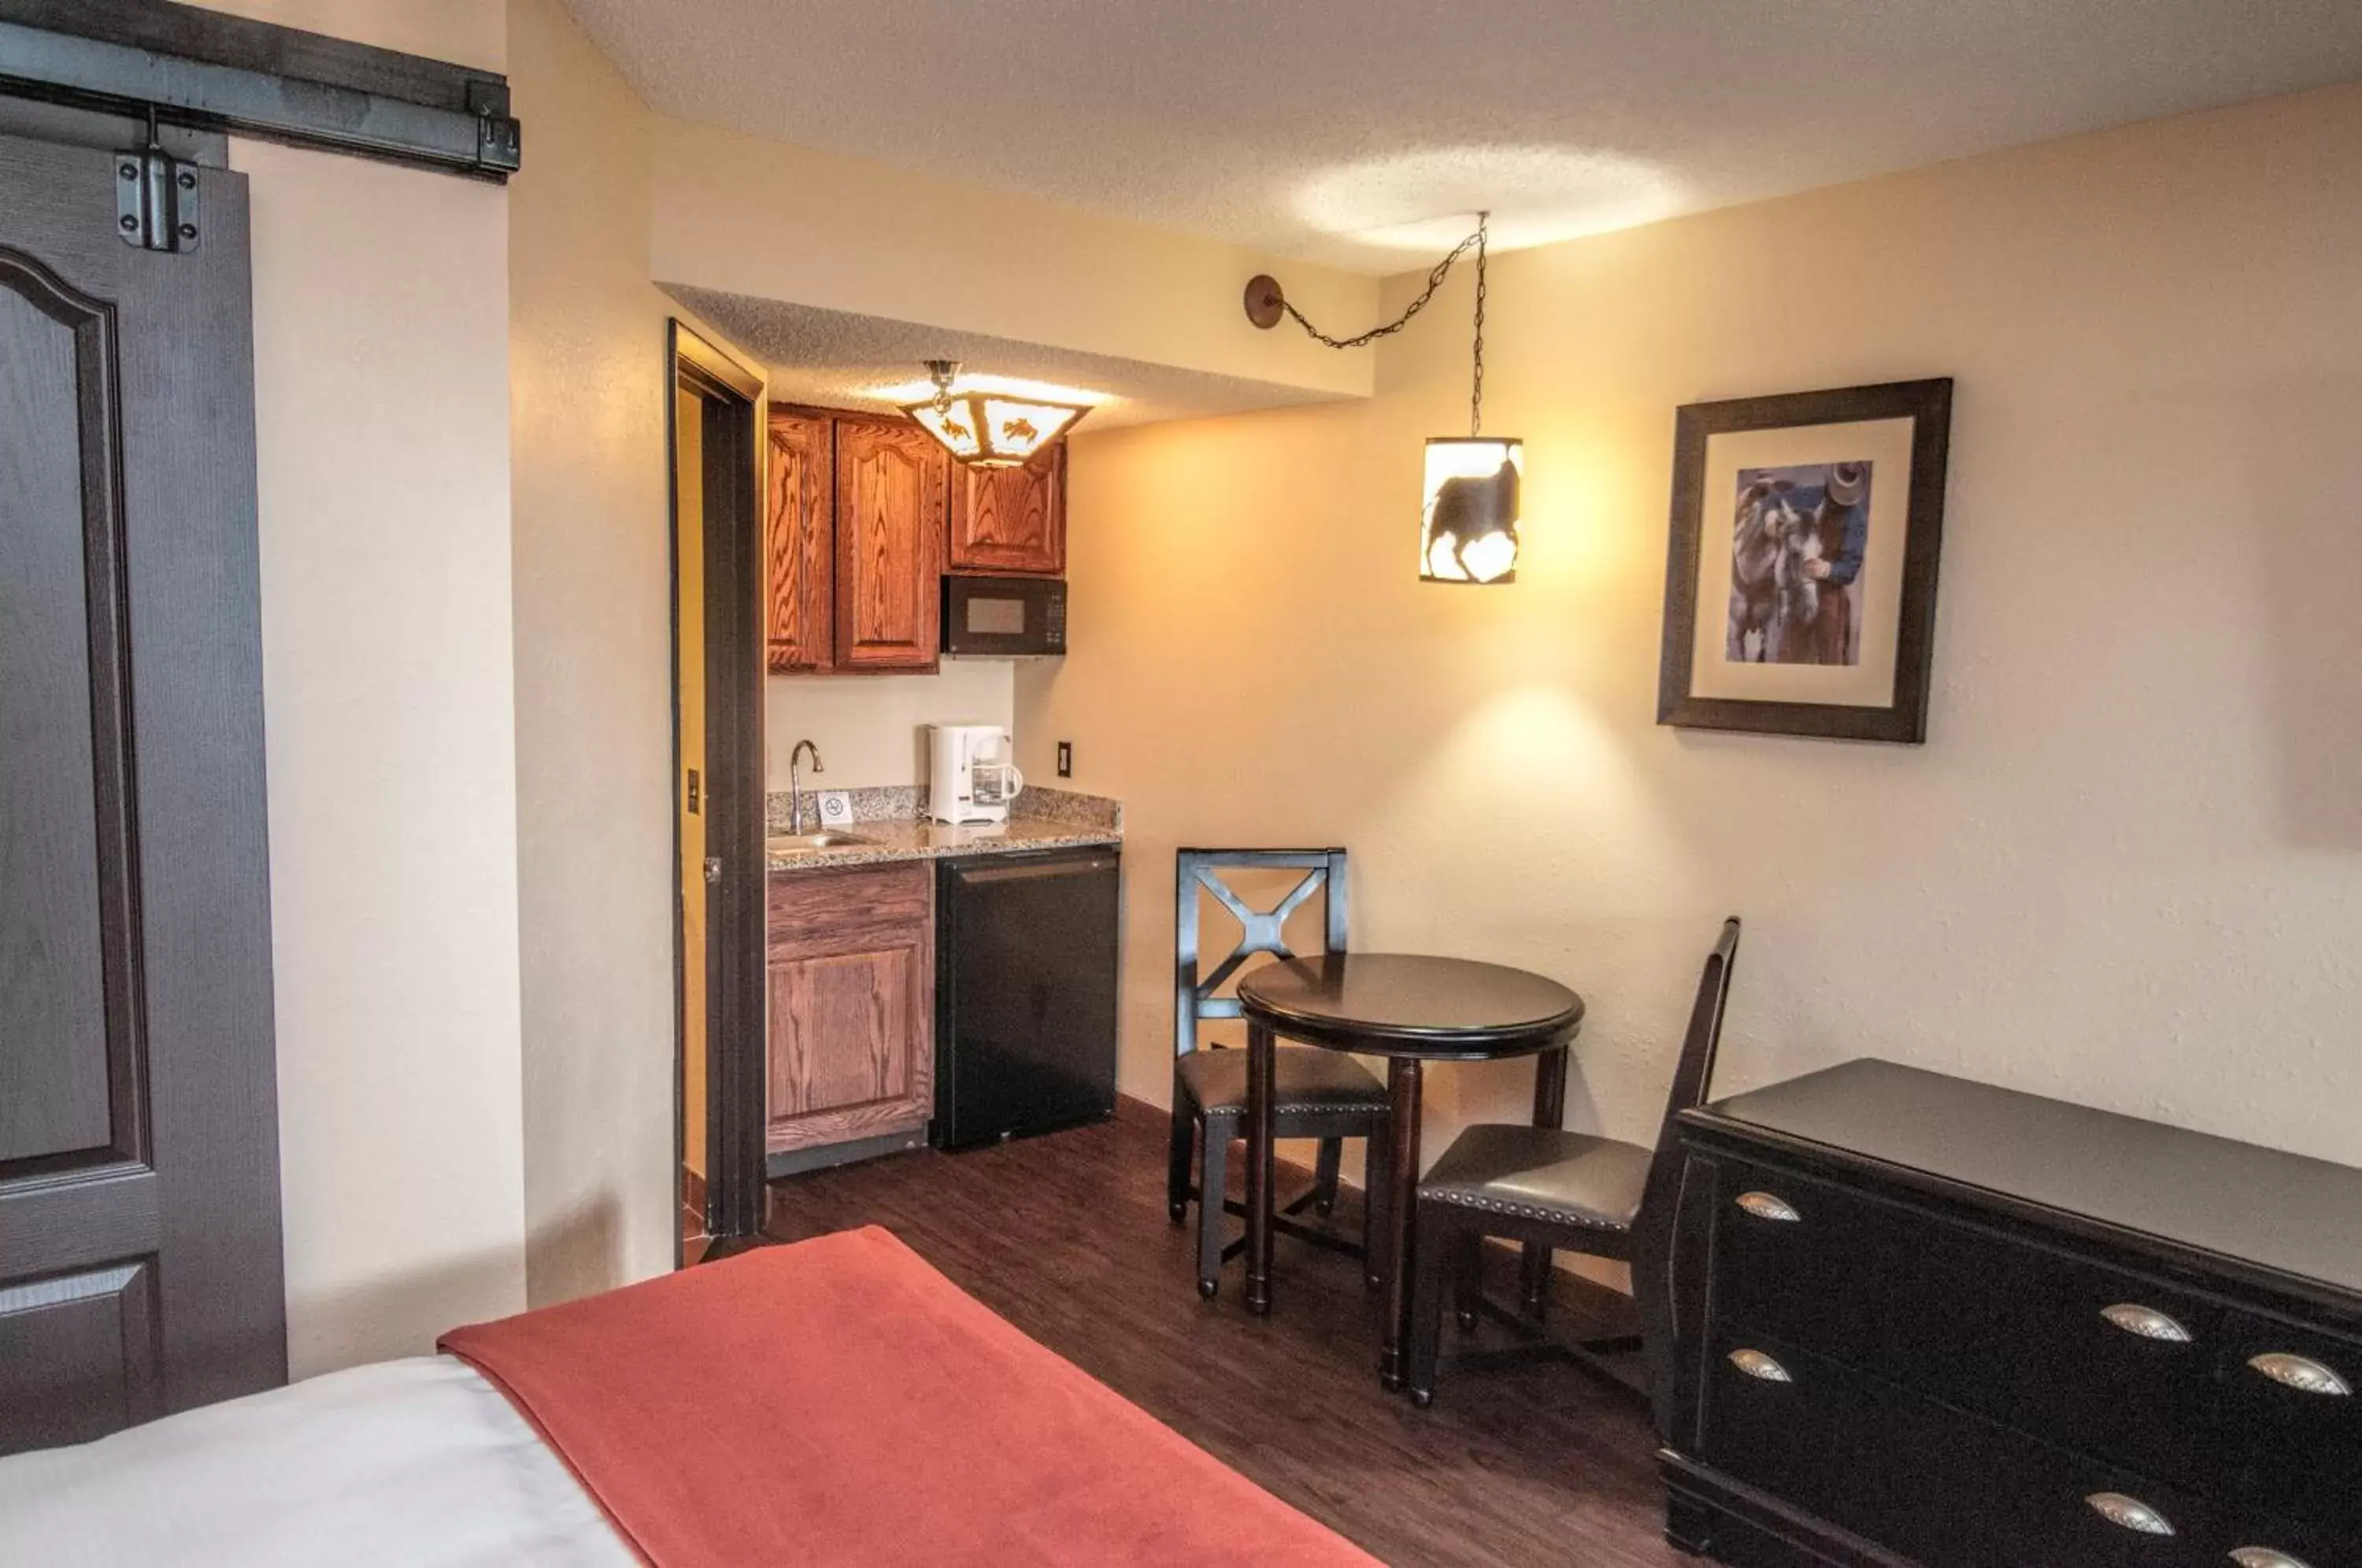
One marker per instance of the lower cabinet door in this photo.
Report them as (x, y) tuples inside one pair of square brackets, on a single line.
[(850, 973), (1931, 1483)]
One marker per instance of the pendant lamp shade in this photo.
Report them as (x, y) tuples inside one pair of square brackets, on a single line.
[(989, 429), (1468, 530)]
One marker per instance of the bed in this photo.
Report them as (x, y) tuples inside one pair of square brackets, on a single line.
[(833, 1402)]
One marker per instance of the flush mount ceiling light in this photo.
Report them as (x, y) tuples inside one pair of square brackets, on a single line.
[(989, 429), (1468, 529)]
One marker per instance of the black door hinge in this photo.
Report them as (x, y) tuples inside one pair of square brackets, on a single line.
[(155, 200)]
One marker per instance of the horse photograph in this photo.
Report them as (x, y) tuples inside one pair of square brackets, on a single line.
[(1796, 545)]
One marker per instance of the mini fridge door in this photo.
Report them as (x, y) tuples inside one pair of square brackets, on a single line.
[(1025, 993)]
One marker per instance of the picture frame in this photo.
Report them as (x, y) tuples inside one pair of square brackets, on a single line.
[(1816, 615)]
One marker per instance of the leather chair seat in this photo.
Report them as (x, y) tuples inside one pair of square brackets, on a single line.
[(1542, 1173), (1303, 1079)]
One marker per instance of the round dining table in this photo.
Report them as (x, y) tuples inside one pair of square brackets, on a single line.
[(1411, 1010)]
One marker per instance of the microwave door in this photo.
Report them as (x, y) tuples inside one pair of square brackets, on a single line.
[(1004, 617)]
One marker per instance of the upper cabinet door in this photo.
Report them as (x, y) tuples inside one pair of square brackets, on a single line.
[(799, 622), (892, 484), (1011, 520)]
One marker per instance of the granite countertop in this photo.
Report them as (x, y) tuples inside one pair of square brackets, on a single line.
[(892, 841), (1056, 820)]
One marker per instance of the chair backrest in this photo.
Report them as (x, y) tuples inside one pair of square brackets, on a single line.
[(1260, 931), (1653, 1287)]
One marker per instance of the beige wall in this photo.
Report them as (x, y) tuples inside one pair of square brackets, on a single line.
[(2124, 868), (382, 410), (850, 234), (593, 659), (611, 196), (870, 729)]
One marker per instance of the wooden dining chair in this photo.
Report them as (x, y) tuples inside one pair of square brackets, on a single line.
[(1573, 1191), (1317, 1093)]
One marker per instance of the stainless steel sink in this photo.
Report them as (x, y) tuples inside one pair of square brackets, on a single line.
[(787, 842)]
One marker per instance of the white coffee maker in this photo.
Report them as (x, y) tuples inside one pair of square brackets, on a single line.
[(970, 777)]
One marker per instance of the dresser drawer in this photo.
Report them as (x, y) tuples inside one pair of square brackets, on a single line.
[(2080, 1354), (1936, 1484), (2292, 1411)]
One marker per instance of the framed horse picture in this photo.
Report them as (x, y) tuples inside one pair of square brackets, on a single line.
[(1800, 581)]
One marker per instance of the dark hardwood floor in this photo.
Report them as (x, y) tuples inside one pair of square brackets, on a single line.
[(1067, 1237)]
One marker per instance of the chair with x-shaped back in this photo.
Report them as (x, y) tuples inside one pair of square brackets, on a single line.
[(1317, 1093)]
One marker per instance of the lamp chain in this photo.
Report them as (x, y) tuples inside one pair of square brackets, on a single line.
[(1434, 282), (1476, 387)]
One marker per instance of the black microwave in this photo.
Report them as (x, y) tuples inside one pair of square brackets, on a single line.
[(1004, 617)]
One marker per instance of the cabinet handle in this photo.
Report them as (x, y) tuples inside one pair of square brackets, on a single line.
[(2128, 1513), (2297, 1372), (1755, 1363), (1763, 1206), (2147, 1321), (2264, 1557)]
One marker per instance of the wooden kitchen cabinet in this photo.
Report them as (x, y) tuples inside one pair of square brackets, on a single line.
[(1011, 520), (853, 543), (850, 968), (892, 485), (799, 544)]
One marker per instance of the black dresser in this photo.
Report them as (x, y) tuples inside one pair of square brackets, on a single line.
[(1924, 1320)]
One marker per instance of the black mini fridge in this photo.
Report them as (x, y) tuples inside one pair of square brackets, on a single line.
[(1025, 993)]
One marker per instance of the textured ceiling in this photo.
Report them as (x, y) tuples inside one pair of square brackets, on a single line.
[(838, 360), (1361, 132)]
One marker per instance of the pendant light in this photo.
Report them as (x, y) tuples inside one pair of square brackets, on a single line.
[(1468, 527), (989, 429)]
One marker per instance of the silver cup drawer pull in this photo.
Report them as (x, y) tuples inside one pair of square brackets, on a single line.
[(1755, 1363), (2146, 1321), (2264, 1557), (2305, 1377), (1764, 1205), (2129, 1513)]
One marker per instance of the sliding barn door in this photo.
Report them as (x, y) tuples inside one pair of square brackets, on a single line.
[(139, 1248)]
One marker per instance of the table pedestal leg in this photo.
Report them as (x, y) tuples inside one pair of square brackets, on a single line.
[(1550, 1110), (1262, 1059), (1403, 1085)]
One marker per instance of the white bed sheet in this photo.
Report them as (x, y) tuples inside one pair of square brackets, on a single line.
[(419, 1462)]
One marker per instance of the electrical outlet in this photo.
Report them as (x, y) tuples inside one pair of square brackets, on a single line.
[(836, 808), (1066, 759)]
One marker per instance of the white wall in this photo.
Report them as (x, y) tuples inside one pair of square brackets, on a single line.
[(870, 728), (381, 412), (2126, 868)]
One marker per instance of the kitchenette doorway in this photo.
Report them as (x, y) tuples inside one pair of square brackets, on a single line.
[(713, 426)]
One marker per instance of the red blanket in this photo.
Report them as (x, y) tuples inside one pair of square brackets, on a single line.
[(838, 1402)]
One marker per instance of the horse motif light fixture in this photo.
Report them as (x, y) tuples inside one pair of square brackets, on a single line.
[(1468, 528), (989, 429)]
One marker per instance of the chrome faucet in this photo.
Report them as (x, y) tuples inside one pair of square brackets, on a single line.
[(795, 783)]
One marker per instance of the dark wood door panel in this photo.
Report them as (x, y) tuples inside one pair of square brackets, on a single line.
[(69, 1081), (78, 1356), (138, 1068)]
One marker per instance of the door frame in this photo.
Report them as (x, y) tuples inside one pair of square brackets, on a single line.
[(732, 397)]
